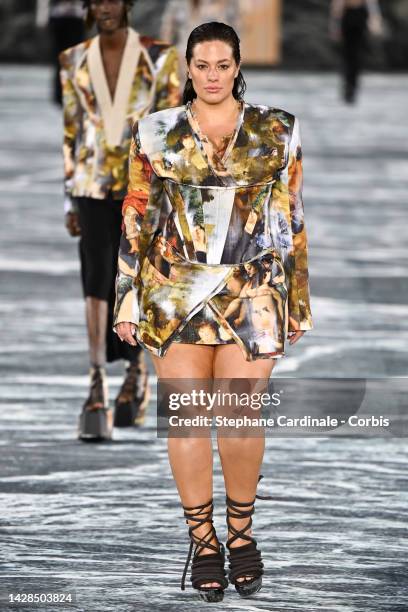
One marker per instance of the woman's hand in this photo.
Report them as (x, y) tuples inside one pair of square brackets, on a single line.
[(376, 25), (126, 332), (294, 336)]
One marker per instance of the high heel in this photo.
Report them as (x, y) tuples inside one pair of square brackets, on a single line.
[(133, 397), (95, 421), (246, 560), (205, 568)]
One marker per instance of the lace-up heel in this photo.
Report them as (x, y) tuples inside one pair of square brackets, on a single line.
[(206, 568), (244, 561)]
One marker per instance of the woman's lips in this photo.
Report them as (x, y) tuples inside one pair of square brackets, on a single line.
[(212, 89)]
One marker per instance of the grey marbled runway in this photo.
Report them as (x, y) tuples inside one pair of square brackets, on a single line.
[(104, 520)]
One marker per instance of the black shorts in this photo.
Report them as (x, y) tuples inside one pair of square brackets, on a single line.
[(100, 222), (101, 229)]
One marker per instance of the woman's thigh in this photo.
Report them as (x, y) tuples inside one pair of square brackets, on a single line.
[(185, 361), (185, 370), (229, 362), (242, 382)]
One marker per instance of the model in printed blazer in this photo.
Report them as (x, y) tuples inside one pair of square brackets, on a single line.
[(213, 278), (236, 216), (108, 82)]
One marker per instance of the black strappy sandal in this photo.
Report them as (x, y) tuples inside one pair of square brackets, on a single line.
[(246, 560), (205, 568)]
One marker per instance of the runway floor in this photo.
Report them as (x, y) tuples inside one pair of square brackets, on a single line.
[(104, 521)]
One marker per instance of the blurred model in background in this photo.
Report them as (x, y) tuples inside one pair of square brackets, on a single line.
[(108, 82), (350, 21), (67, 28), (182, 16)]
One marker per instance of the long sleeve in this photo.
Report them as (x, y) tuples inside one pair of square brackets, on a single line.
[(168, 81), (72, 124), (141, 213), (300, 317)]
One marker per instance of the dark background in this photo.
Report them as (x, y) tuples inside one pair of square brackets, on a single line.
[(306, 45)]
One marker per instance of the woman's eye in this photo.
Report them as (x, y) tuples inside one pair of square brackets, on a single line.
[(224, 67), (201, 66)]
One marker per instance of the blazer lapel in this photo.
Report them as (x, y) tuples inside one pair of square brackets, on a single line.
[(83, 86), (114, 112)]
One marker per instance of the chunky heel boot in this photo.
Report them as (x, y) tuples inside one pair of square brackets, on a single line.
[(95, 420), (209, 567), (133, 397), (244, 561)]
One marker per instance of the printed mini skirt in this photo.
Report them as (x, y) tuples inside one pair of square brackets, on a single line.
[(197, 303)]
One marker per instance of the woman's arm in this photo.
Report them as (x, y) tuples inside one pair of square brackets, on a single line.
[(336, 13), (373, 7), (42, 13), (375, 21), (141, 214), (299, 302), (232, 307)]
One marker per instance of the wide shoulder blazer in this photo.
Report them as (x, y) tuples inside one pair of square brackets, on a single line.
[(97, 129), (208, 214)]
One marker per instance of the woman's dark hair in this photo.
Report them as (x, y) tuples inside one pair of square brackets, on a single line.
[(214, 31), (89, 21)]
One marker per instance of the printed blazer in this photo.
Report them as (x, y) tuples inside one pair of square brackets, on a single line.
[(97, 130), (212, 243)]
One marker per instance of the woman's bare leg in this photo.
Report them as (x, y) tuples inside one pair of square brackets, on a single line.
[(96, 320), (191, 459), (241, 457)]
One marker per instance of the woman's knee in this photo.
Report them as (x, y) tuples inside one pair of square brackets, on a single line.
[(241, 447)]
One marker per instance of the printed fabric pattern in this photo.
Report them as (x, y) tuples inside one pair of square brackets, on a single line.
[(95, 166), (214, 246)]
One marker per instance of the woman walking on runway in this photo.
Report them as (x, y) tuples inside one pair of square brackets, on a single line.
[(215, 185), (350, 21)]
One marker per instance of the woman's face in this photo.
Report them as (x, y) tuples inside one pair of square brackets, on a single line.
[(250, 269), (213, 71), (207, 333)]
